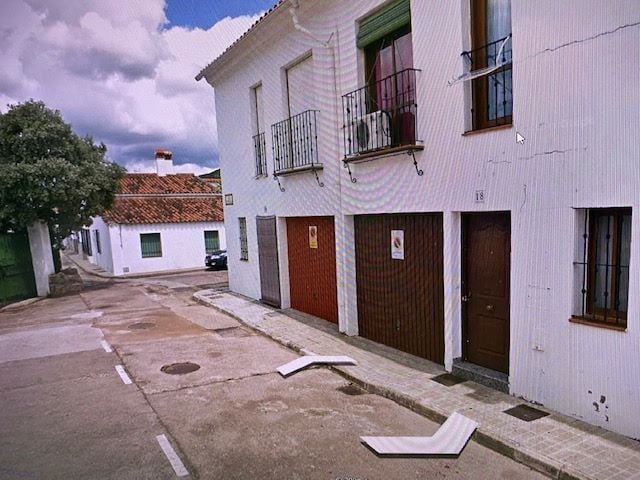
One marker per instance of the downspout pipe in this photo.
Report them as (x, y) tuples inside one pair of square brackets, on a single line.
[(330, 45)]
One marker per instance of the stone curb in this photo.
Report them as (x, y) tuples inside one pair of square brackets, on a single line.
[(544, 465)]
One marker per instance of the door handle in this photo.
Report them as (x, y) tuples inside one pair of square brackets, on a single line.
[(466, 298), (490, 308)]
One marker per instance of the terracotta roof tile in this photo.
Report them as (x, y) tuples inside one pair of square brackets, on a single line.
[(151, 183), (165, 210)]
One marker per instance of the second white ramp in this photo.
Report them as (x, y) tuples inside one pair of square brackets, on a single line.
[(308, 360)]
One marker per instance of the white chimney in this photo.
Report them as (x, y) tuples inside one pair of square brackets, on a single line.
[(164, 163)]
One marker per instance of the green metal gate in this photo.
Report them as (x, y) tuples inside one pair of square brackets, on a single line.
[(17, 280)]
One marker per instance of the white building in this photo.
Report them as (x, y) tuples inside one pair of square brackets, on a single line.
[(489, 222), (158, 222)]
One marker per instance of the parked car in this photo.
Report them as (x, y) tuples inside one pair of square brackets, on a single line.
[(216, 259)]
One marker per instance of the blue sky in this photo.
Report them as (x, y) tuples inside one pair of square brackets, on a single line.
[(123, 71), (205, 13)]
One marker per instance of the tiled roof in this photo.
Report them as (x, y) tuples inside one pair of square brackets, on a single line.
[(151, 183), (267, 13), (141, 210)]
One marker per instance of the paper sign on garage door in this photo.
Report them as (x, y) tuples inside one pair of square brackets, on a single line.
[(397, 244)]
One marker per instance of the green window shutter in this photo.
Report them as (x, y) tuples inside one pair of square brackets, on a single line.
[(150, 245), (211, 241), (385, 21)]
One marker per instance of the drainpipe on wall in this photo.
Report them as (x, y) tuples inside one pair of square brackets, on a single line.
[(330, 44)]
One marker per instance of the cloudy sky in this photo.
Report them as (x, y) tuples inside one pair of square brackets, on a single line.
[(123, 70)]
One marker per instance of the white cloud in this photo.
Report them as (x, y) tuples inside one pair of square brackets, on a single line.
[(116, 71), (148, 166)]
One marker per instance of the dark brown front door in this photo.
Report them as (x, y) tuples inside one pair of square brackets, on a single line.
[(268, 259), (486, 269), (311, 244), (401, 291)]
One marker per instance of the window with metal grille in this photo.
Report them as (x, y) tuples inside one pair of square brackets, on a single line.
[(244, 246), (491, 47), (86, 241), (603, 271), (150, 245), (98, 247), (211, 241)]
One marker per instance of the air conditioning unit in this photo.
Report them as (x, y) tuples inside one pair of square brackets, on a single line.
[(371, 132)]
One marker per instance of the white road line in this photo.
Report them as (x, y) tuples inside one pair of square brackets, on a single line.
[(106, 346), (123, 375), (172, 456)]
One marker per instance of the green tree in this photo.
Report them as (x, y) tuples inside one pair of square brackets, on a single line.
[(49, 173)]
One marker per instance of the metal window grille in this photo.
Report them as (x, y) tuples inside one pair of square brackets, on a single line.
[(381, 115), (244, 246), (604, 267), (98, 247), (492, 94), (295, 142), (260, 154), (150, 245), (211, 241)]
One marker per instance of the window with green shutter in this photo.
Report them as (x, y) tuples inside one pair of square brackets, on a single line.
[(211, 241), (150, 245), (384, 22)]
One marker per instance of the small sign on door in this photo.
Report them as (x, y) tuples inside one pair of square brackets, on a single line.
[(397, 244), (313, 236)]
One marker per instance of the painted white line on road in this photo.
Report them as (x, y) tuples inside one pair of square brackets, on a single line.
[(172, 456), (123, 375), (106, 346)]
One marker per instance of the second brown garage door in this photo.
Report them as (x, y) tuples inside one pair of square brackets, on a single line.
[(312, 266), (400, 300)]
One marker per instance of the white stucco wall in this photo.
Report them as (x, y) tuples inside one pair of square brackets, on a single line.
[(182, 246), (41, 256), (576, 98)]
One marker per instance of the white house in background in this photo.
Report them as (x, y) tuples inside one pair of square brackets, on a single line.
[(458, 180), (158, 222)]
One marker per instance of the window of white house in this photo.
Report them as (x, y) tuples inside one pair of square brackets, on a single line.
[(150, 245), (244, 245), (211, 241), (98, 247), (259, 145), (603, 267), (492, 94), (382, 113), (86, 241)]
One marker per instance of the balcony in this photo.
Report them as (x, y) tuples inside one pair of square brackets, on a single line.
[(492, 104), (260, 155), (381, 118), (295, 144)]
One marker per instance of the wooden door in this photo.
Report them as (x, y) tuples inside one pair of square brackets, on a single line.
[(486, 271), (401, 300), (311, 244), (268, 260)]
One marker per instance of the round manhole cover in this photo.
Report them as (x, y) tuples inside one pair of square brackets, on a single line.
[(180, 368), (141, 326)]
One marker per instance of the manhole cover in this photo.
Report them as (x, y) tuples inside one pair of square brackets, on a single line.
[(180, 368), (141, 326), (351, 389)]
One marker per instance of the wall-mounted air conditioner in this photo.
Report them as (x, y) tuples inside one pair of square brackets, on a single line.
[(371, 132)]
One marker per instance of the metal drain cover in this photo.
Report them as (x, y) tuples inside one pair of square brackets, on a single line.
[(447, 379), (180, 368), (526, 413), (351, 389), (141, 326)]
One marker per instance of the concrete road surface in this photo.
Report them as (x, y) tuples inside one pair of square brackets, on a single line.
[(67, 413)]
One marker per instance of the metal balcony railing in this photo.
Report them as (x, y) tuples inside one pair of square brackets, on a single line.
[(492, 93), (295, 143), (381, 115), (260, 154)]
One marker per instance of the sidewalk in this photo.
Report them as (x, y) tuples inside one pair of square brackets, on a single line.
[(557, 445)]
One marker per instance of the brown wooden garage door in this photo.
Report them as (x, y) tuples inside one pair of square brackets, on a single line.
[(400, 301), (312, 266)]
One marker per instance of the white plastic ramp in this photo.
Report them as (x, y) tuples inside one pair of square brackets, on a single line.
[(308, 360), (449, 440)]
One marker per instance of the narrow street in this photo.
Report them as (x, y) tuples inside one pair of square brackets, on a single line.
[(68, 413)]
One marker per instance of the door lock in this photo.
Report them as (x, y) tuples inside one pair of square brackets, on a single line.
[(490, 308), (466, 298)]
